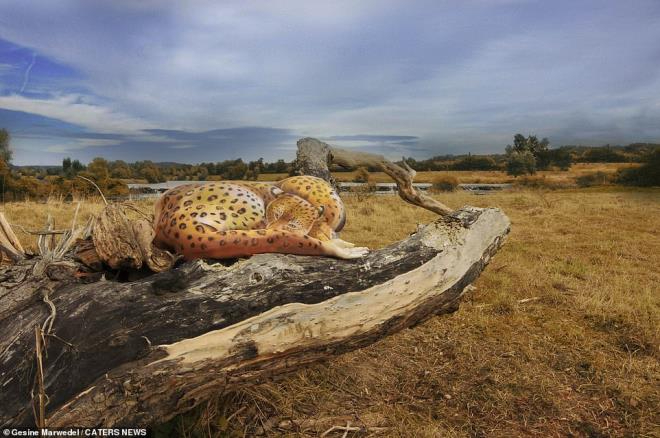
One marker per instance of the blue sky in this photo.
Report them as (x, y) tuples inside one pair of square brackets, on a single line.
[(168, 81)]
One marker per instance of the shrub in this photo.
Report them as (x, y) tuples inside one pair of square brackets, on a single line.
[(604, 154), (540, 182), (445, 183), (592, 179), (472, 162), (646, 175), (361, 175), (364, 192), (520, 163)]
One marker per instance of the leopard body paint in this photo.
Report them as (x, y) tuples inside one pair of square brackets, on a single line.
[(228, 219)]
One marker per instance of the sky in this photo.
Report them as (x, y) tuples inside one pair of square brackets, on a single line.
[(207, 81)]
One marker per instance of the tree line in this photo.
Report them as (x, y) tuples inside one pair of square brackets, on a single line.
[(526, 155)]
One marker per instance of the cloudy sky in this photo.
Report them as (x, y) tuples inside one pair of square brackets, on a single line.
[(207, 81)]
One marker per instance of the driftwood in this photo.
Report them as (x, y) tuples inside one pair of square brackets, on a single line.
[(79, 347), (140, 352)]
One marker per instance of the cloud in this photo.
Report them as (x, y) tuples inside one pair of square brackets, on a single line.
[(26, 77), (76, 144), (183, 146), (74, 110), (366, 137), (453, 77)]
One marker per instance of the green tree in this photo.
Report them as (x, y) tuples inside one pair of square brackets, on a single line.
[(281, 167), (254, 169), (236, 170), (531, 144), (561, 158), (520, 163), (66, 165), (472, 162), (77, 166)]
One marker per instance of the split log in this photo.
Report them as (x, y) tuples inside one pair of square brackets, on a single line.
[(140, 352)]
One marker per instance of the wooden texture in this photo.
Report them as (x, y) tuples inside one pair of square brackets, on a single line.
[(122, 243), (141, 352)]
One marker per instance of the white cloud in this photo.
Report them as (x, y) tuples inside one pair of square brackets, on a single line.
[(72, 109), (182, 146), (78, 144), (462, 75)]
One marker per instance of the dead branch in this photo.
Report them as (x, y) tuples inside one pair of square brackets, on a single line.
[(10, 246), (313, 157)]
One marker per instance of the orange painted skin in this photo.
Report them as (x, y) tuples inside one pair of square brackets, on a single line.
[(229, 219)]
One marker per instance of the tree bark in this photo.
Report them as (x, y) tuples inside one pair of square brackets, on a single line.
[(140, 352)]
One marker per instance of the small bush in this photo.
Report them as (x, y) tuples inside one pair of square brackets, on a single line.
[(445, 183), (520, 163), (362, 175), (540, 182), (646, 175), (593, 179), (364, 192)]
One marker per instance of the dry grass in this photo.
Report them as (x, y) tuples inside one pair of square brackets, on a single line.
[(28, 216), (561, 336)]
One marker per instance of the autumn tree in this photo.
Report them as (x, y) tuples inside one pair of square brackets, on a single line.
[(120, 169), (99, 169), (5, 151)]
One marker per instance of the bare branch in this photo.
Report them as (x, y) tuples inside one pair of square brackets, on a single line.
[(97, 187), (319, 154)]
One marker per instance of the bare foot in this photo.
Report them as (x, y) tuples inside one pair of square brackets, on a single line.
[(342, 243)]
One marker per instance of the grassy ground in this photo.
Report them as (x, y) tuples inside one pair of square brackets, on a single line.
[(560, 337)]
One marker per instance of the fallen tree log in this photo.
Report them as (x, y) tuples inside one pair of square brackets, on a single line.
[(140, 352)]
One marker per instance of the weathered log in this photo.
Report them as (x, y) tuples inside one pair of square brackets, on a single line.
[(141, 352)]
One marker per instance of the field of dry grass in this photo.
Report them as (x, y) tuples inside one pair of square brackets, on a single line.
[(560, 337)]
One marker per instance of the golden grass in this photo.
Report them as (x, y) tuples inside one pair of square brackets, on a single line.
[(32, 215), (560, 337)]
